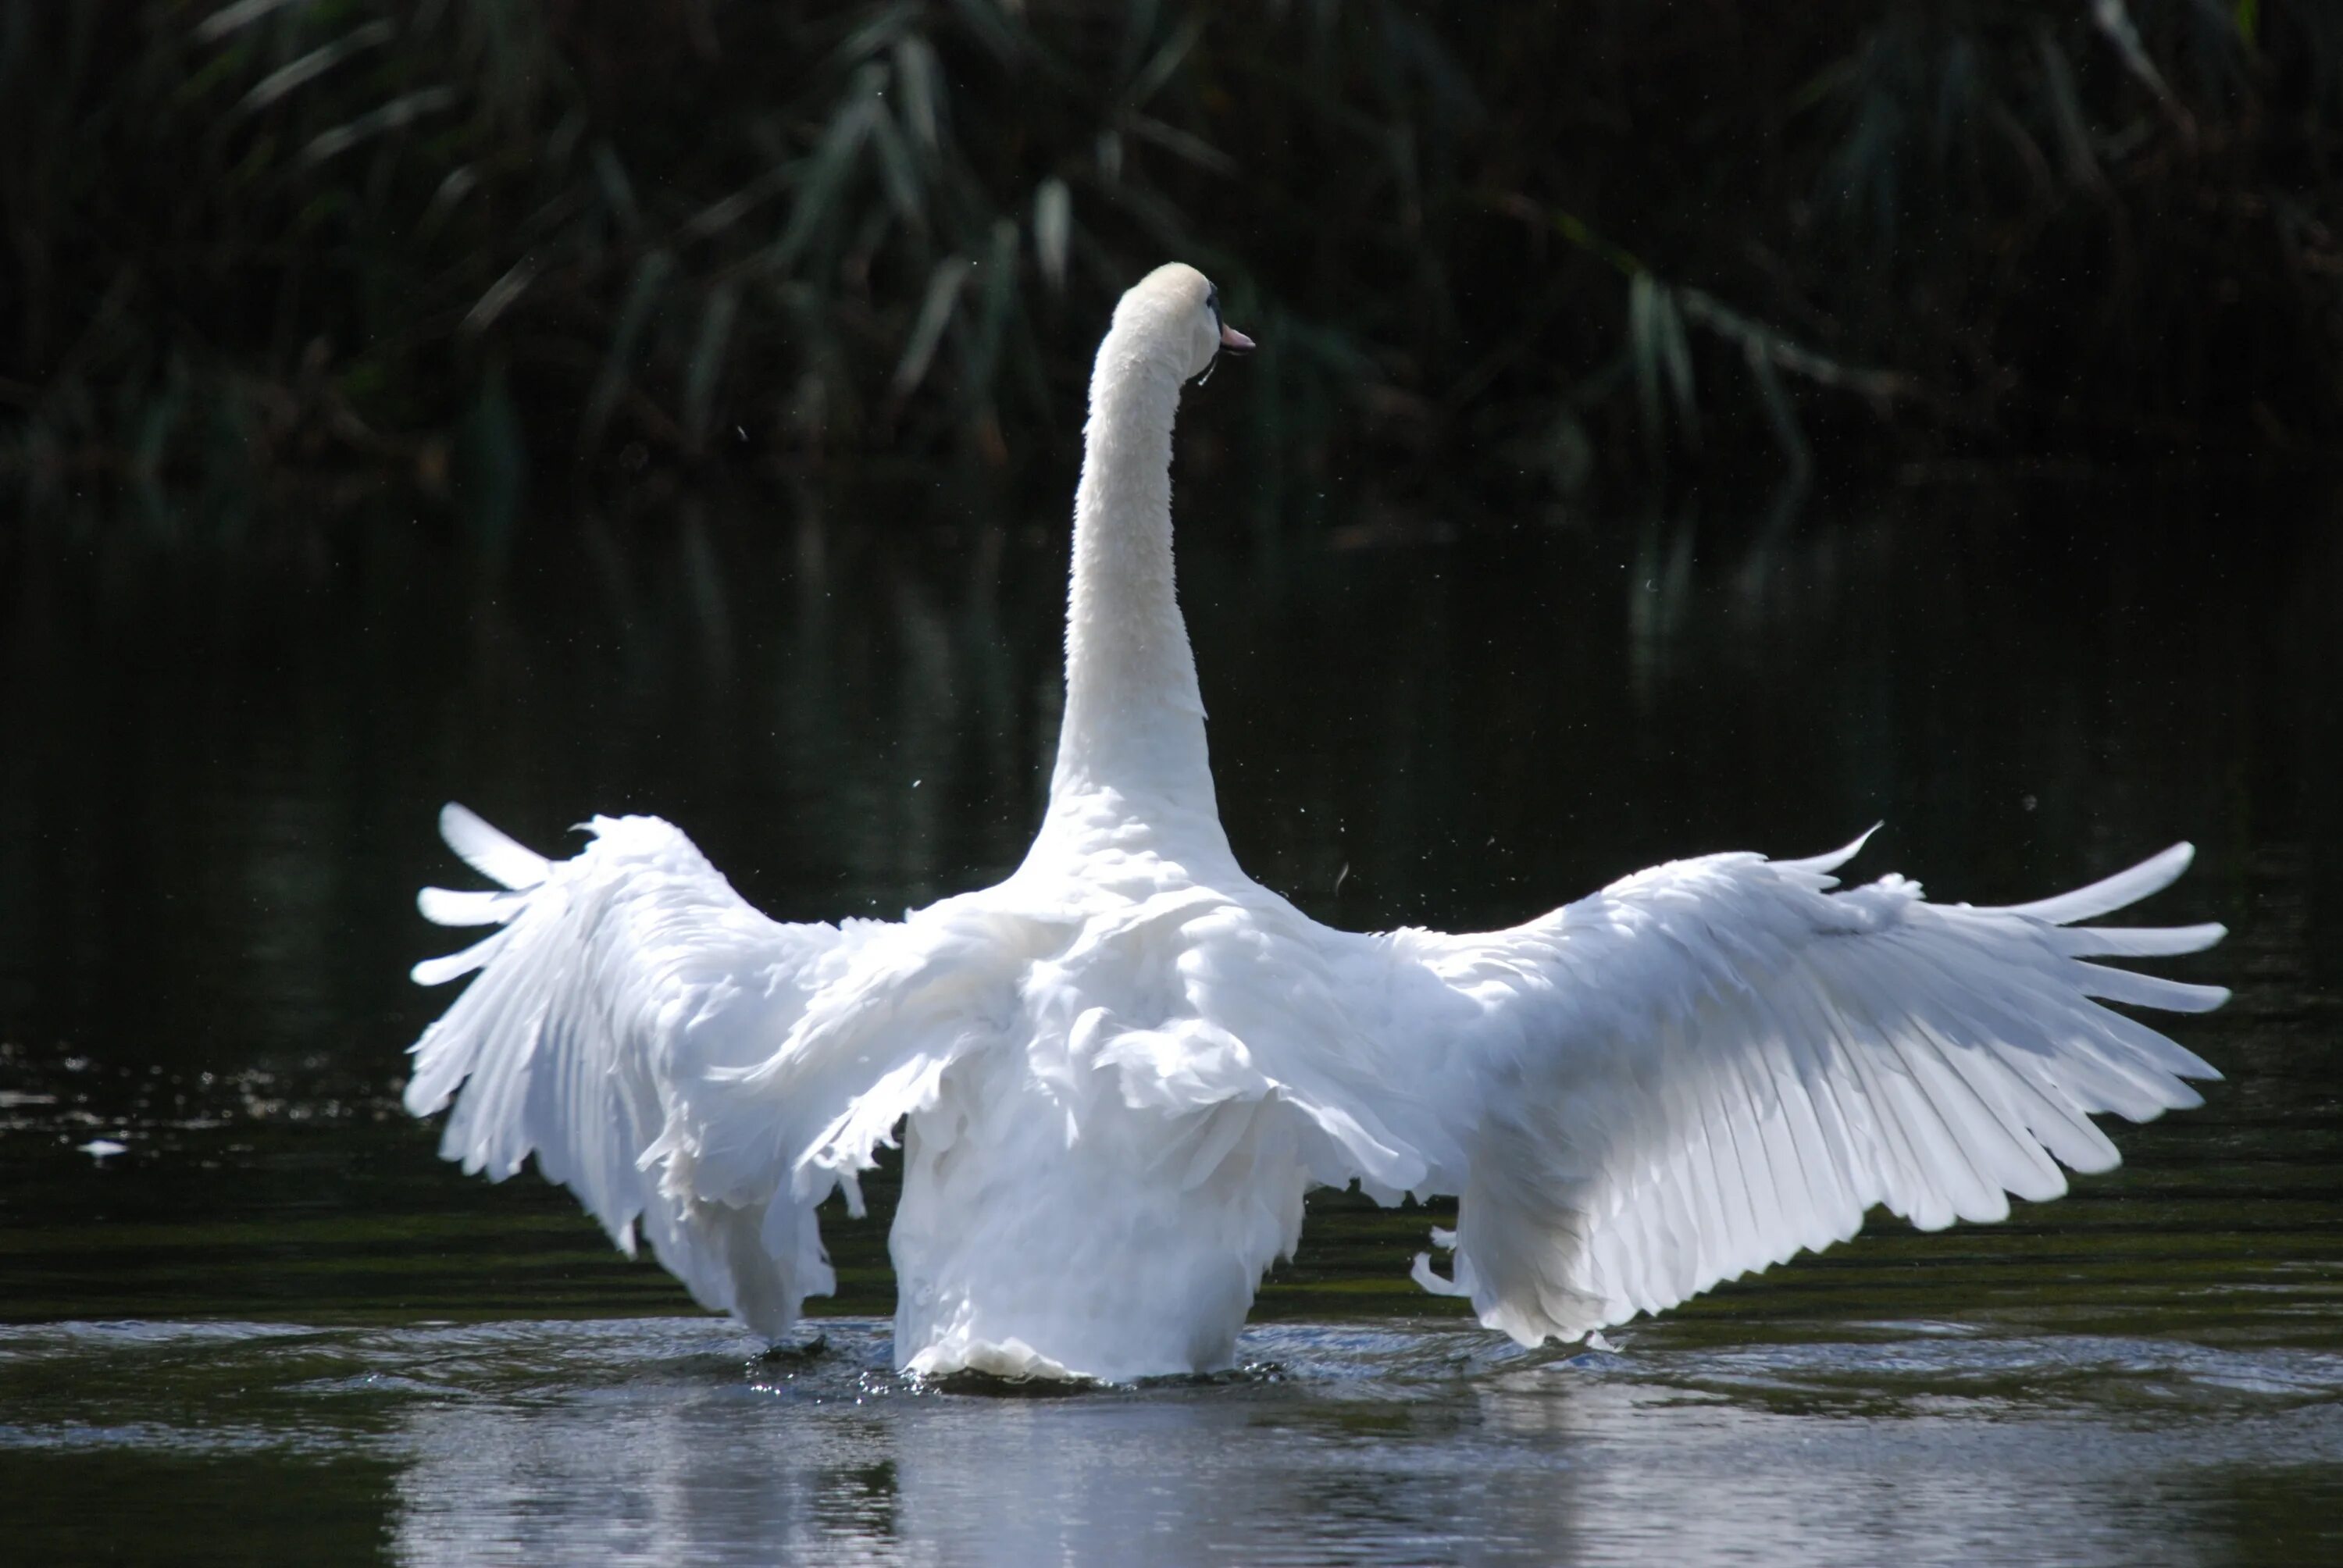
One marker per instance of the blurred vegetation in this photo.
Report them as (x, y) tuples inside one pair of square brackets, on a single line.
[(1586, 243)]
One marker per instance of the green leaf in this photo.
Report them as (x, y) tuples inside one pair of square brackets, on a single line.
[(1676, 359), (708, 351), (1158, 70), (1644, 355), (314, 64), (992, 27), (1053, 227), (618, 190), (402, 110), (1180, 144), (1780, 414), (501, 294), (895, 171), (228, 18), (642, 296), (723, 214), (935, 314), (922, 79), (998, 298), (2113, 19), (828, 166)]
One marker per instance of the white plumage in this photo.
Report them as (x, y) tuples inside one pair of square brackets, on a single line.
[(1117, 1072)]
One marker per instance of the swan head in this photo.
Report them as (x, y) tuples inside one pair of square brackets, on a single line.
[(1177, 307)]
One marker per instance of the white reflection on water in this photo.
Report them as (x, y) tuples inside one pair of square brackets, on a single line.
[(645, 1442), (671, 1441)]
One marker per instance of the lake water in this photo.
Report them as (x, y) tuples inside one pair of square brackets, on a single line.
[(276, 1325)]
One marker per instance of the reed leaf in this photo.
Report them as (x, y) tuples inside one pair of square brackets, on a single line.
[(500, 296), (1644, 353), (944, 287), (403, 110), (706, 364), (643, 295), (316, 64), (232, 18), (1053, 227), (920, 76)]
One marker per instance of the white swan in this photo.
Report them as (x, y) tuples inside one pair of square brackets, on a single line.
[(1118, 1071)]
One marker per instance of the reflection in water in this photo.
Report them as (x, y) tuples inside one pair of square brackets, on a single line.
[(1382, 1446), (663, 1441)]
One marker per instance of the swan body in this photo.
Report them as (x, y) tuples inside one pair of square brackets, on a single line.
[(1118, 1071)]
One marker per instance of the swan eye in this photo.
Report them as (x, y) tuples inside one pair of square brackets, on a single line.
[(1212, 304)]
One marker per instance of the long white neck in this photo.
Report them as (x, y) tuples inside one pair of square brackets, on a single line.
[(1133, 747)]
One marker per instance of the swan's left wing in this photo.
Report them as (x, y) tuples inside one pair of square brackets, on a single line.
[(1714, 1064), (691, 1069)]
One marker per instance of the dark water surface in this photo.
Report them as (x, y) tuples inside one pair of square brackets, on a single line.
[(275, 1325)]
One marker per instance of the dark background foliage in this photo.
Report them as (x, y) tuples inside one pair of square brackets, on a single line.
[(1591, 243)]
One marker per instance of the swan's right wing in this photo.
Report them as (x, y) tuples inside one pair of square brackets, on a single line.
[(1712, 1065), (616, 1009)]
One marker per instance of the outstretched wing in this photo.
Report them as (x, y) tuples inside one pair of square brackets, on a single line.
[(625, 996), (1714, 1064)]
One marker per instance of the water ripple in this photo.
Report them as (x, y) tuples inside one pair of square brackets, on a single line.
[(656, 1439)]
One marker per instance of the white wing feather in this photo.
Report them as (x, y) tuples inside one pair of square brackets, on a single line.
[(1715, 1064), (626, 994)]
